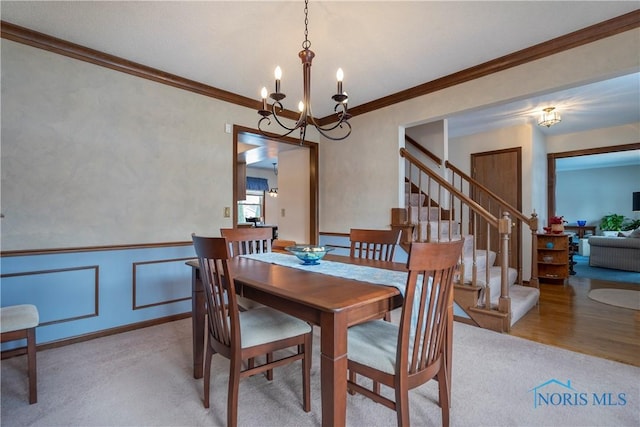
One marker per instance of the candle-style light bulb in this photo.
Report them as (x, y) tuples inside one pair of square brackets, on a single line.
[(263, 95), (300, 106), (339, 77), (278, 74)]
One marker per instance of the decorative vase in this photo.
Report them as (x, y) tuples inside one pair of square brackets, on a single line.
[(557, 228)]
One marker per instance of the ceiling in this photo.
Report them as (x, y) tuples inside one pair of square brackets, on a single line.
[(383, 47)]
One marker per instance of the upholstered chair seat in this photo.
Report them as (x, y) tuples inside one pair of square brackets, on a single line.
[(19, 322), (262, 325)]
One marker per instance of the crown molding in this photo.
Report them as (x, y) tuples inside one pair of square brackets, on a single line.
[(577, 38)]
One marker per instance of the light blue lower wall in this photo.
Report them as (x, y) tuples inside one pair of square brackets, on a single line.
[(342, 244), (84, 292), (80, 293)]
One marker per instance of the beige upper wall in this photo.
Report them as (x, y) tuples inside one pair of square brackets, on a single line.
[(293, 195), (94, 157), (619, 135), (359, 176)]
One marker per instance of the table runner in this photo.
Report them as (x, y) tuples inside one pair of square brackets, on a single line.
[(362, 273)]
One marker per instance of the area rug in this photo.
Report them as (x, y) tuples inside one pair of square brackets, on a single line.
[(625, 298), (583, 269)]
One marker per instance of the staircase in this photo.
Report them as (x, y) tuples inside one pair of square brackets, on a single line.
[(489, 291)]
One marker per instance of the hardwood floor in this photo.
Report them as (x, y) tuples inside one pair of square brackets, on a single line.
[(565, 317)]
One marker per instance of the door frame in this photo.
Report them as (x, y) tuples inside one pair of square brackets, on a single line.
[(313, 174), (551, 167)]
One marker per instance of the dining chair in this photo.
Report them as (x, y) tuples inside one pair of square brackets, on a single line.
[(19, 322), (374, 244), (245, 241), (406, 355), (243, 335), (280, 245)]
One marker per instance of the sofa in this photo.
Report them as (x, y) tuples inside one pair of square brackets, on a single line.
[(620, 253)]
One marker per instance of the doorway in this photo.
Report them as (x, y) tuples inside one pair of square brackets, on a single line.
[(551, 168), (243, 135)]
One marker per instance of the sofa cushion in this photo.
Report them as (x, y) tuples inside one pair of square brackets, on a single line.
[(635, 233), (616, 242)]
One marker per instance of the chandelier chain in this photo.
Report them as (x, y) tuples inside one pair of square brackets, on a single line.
[(306, 44)]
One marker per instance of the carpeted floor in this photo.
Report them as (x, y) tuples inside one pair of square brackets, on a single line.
[(583, 269), (144, 378)]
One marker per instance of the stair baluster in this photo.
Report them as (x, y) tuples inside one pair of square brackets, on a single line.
[(440, 210)]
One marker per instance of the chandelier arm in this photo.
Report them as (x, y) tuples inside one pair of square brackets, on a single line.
[(262, 120), (323, 131), (269, 134), (312, 120), (266, 132), (277, 119), (340, 122)]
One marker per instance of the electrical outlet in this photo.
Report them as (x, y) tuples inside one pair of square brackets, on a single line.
[(227, 212), (282, 212)]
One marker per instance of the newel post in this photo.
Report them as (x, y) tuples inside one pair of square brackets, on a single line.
[(533, 226), (504, 229)]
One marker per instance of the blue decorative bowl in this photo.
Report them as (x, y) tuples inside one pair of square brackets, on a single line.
[(309, 254), (581, 223)]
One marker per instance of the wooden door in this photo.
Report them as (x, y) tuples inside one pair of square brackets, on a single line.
[(500, 171)]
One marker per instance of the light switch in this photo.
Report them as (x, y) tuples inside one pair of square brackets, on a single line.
[(227, 212), (227, 127), (282, 212)]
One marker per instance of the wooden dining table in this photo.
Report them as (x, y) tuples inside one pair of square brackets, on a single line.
[(330, 302)]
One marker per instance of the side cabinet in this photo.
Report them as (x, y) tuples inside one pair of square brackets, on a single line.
[(553, 258)]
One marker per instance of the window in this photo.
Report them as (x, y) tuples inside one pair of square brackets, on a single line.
[(252, 207)]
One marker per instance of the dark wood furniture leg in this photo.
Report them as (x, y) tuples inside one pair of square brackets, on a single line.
[(333, 368), (197, 322)]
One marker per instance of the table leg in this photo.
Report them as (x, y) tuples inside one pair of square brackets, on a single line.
[(333, 368), (197, 322)]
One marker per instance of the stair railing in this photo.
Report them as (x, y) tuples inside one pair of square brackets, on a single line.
[(431, 183), (474, 187)]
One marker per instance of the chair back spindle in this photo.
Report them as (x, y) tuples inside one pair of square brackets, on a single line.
[(244, 241), (432, 268), (213, 258), (417, 350), (374, 244)]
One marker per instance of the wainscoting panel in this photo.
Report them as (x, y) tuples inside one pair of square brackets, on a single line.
[(82, 292), (160, 282), (61, 295)]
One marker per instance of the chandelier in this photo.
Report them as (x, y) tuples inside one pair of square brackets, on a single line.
[(549, 117), (306, 115)]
